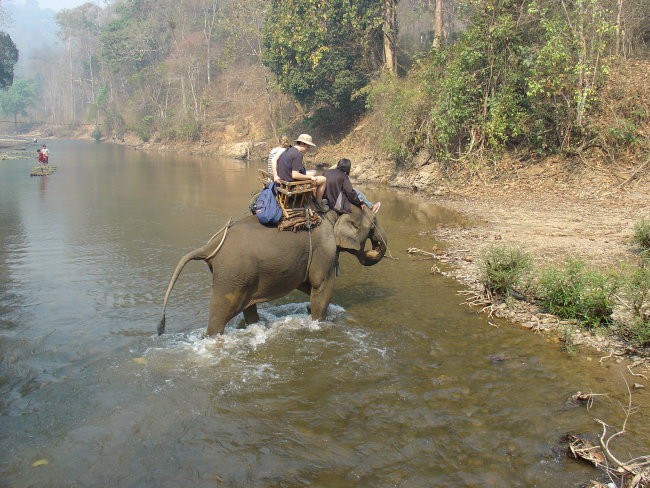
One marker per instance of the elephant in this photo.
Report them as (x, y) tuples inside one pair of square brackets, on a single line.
[(254, 263)]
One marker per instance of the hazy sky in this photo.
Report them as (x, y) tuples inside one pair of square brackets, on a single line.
[(57, 5)]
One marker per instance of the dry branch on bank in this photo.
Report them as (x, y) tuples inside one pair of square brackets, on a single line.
[(633, 473), (585, 398)]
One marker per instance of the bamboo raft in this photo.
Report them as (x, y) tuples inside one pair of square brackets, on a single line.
[(42, 170)]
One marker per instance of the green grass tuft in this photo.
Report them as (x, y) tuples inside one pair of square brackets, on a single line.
[(575, 292), (642, 234), (505, 271)]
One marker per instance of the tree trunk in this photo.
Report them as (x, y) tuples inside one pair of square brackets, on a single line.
[(209, 19), (390, 35), (437, 25), (619, 29)]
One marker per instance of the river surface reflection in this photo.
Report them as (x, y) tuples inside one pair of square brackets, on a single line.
[(401, 386)]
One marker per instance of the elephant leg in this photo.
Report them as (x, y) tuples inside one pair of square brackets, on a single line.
[(320, 298), (250, 315), (222, 309)]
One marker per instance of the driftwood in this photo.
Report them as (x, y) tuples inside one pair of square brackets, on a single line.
[(585, 450), (632, 473), (585, 398)]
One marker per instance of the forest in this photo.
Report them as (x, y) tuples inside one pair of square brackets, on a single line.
[(445, 78)]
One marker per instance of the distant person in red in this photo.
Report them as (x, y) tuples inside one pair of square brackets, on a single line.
[(44, 155)]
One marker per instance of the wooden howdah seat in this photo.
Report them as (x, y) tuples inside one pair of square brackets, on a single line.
[(292, 195)]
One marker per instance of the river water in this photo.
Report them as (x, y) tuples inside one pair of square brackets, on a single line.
[(401, 386)]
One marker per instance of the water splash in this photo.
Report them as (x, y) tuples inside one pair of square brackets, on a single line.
[(241, 354)]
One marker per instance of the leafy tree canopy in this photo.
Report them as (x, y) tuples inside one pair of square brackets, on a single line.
[(322, 52), (8, 58), (136, 39), (15, 100), (520, 75)]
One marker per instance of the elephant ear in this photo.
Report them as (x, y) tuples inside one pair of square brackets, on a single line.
[(350, 231)]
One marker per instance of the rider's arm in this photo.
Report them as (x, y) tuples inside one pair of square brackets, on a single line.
[(295, 175)]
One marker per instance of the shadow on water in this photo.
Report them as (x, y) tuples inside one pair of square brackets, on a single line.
[(400, 386)]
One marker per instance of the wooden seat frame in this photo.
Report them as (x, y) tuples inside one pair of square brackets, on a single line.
[(292, 195)]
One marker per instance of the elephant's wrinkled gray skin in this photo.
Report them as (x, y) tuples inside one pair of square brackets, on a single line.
[(257, 264)]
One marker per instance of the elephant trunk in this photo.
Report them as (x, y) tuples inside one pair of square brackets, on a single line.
[(379, 247)]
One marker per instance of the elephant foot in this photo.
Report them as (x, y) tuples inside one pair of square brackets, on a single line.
[(250, 315), (372, 254)]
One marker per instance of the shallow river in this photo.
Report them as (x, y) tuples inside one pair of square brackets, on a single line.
[(401, 386)]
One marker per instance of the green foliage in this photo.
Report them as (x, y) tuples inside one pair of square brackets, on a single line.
[(574, 292), (98, 105), (505, 270), (403, 108), (322, 52), (135, 39), (519, 75), (189, 131), (640, 331), (17, 98), (636, 287), (636, 292), (143, 128), (568, 338), (8, 58), (113, 121), (642, 234), (623, 133), (569, 64)]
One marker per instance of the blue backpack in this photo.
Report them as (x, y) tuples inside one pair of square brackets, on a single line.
[(267, 210)]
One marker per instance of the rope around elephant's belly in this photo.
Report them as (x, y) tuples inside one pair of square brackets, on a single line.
[(310, 245), (225, 228)]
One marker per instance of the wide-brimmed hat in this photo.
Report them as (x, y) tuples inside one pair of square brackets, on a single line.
[(305, 139)]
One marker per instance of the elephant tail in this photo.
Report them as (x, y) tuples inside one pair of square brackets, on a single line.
[(190, 256), (204, 253)]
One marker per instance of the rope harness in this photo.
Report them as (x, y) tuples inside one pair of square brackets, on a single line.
[(309, 226), (381, 237), (225, 233)]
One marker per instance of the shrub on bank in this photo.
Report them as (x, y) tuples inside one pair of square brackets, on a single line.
[(642, 235), (575, 292), (636, 291), (505, 271), (96, 134)]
